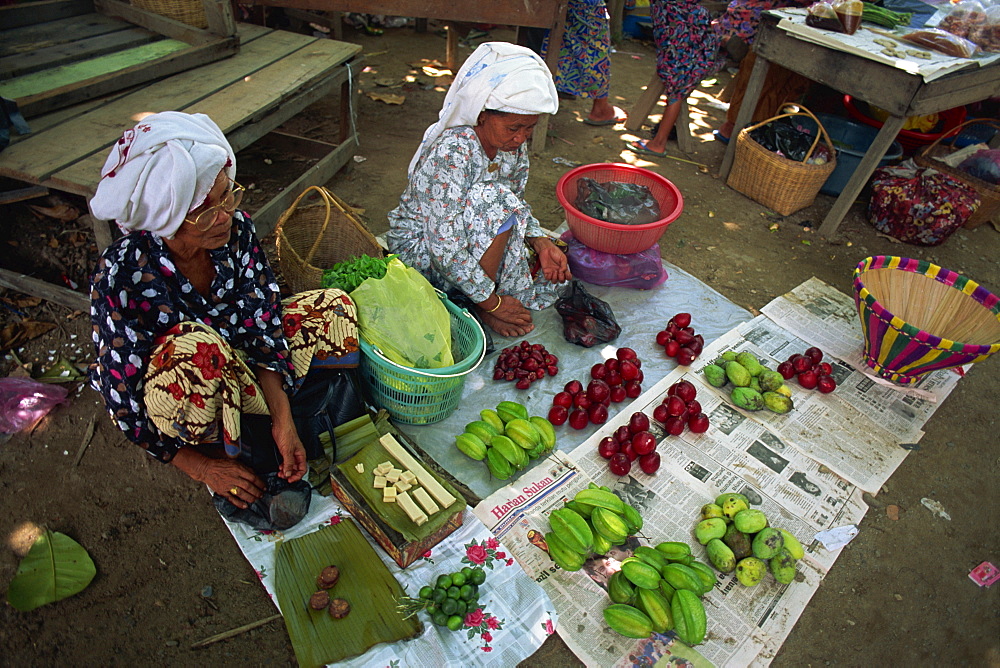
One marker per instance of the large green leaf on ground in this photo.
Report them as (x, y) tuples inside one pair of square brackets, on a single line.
[(55, 568)]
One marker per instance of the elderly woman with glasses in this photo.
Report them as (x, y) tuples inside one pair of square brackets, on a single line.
[(189, 327)]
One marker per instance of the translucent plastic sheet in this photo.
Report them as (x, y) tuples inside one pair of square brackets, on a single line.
[(641, 315)]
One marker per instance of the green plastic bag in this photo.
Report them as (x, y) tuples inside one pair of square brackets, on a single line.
[(403, 316)]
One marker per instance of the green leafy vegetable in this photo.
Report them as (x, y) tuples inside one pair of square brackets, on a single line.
[(56, 567), (349, 274)]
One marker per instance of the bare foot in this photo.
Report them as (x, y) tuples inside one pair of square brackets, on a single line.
[(504, 328), (602, 112)]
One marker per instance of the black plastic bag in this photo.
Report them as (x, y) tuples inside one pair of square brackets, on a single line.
[(282, 505), (615, 202), (784, 136), (587, 320), (327, 399)]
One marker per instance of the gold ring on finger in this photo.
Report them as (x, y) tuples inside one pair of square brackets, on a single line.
[(235, 491)]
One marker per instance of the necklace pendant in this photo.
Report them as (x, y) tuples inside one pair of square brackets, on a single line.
[(493, 167)]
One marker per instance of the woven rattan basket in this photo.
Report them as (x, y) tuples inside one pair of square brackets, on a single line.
[(311, 239), (989, 193), (776, 182), (191, 12)]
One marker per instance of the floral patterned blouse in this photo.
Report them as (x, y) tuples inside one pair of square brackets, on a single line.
[(137, 294), (453, 206)]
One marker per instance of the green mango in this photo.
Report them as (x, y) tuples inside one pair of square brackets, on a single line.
[(738, 542), (734, 504), (750, 363), (729, 356), (754, 384), (783, 567), (792, 544), (737, 374), (709, 529), (771, 380), (710, 510), (750, 520), (777, 403), (715, 375), (750, 571), (748, 399), (768, 543), (721, 556)]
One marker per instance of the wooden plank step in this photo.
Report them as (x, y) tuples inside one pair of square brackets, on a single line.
[(272, 85), (246, 100), (39, 83), (42, 35), (62, 54), (36, 158), (26, 14)]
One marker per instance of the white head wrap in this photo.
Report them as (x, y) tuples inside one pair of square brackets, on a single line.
[(499, 76), (160, 170)]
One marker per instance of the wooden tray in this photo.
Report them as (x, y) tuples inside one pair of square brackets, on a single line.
[(365, 583)]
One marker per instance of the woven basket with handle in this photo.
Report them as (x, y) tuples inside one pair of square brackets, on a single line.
[(191, 12), (777, 182), (989, 193), (311, 239)]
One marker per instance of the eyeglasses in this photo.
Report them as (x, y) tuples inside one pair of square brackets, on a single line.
[(207, 218)]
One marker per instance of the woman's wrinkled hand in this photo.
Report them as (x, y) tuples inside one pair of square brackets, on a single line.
[(555, 265), (232, 480), (293, 453)]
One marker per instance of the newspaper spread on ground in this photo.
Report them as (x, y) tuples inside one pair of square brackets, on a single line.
[(806, 470)]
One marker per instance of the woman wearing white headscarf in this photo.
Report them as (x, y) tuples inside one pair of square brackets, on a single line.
[(188, 324), (462, 220)]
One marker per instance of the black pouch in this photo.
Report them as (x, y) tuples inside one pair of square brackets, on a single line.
[(282, 505), (326, 399), (587, 320)]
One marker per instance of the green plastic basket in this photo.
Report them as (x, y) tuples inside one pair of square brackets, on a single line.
[(425, 396)]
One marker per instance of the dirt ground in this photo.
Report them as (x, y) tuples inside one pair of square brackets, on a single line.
[(169, 574)]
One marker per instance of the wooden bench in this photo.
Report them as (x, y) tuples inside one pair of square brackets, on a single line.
[(274, 76)]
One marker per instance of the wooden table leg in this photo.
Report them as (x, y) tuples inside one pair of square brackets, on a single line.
[(754, 86), (644, 105), (685, 142), (451, 50), (875, 153)]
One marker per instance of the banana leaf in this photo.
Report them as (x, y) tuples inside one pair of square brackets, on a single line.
[(365, 583), (56, 567), (392, 514)]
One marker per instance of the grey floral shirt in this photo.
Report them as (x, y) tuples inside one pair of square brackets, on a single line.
[(455, 204)]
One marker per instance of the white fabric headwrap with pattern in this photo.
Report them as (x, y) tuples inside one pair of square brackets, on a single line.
[(499, 76), (160, 170)]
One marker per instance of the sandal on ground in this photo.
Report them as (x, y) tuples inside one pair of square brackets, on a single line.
[(639, 147), (718, 136)]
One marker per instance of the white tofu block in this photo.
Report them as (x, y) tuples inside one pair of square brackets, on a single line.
[(379, 482), (393, 475), (409, 476), (425, 500), (410, 508), (403, 486), (360, 467), (389, 495)]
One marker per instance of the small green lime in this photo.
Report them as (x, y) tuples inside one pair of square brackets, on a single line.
[(467, 592), (444, 581), (454, 622), (478, 576), (439, 594), (454, 592), (432, 608), (440, 618), (458, 579), (425, 592), (467, 571), (449, 606)]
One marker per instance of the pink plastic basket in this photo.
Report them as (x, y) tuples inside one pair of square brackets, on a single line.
[(612, 237)]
